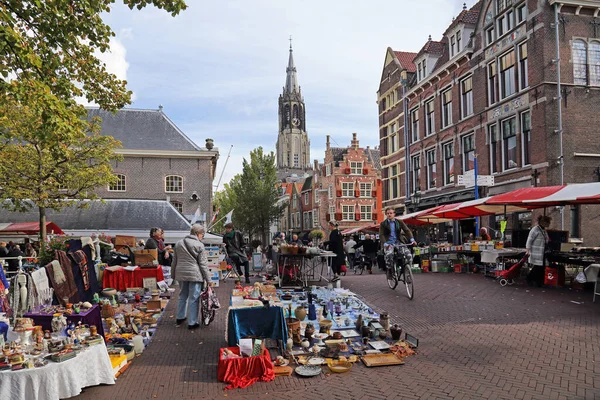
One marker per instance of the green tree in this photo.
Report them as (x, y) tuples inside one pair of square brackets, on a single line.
[(226, 200), (47, 59), (257, 195)]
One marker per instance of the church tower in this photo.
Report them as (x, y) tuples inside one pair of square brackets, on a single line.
[(293, 146)]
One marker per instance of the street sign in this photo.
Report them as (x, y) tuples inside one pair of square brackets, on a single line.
[(469, 180), (466, 181), (485, 180)]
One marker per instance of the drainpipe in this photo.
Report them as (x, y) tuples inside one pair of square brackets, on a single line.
[(406, 143), (561, 160)]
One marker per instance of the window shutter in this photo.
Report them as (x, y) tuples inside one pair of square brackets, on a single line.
[(357, 190), (338, 216), (357, 215), (347, 170), (328, 217), (365, 171), (338, 192)]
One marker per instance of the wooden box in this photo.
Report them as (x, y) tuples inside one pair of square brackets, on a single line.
[(146, 258), (121, 241)]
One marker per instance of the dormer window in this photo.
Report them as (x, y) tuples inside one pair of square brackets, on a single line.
[(458, 40), (421, 70), (452, 46)]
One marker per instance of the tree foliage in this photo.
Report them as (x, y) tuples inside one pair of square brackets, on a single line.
[(225, 201), (253, 195), (49, 150)]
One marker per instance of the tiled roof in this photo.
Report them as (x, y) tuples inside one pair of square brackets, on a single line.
[(338, 154), (307, 184), (406, 60), (467, 17), (109, 214), (143, 130), (432, 47), (373, 156)]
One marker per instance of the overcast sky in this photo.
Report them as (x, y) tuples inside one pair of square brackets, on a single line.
[(218, 68)]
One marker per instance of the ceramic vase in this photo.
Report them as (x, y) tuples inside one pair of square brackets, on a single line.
[(384, 320), (396, 332), (300, 313), (359, 322)]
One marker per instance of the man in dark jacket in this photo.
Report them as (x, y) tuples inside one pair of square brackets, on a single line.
[(14, 251), (234, 244), (370, 251), (392, 230)]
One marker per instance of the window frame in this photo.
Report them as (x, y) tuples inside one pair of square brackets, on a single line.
[(330, 192), (415, 172), (414, 125), (431, 168), (446, 107), (178, 205), (167, 183), (593, 69), (366, 189), (448, 157), (468, 150), (492, 80), (347, 213), (494, 141), (466, 97), (506, 139), (356, 167), (348, 191), (507, 74), (523, 66), (306, 198), (525, 137), (429, 117), (366, 212), (122, 181)]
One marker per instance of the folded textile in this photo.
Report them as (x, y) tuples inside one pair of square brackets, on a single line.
[(59, 275), (86, 240), (67, 288), (81, 261), (42, 286)]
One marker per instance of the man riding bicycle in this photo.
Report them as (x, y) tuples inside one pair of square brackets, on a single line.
[(393, 231)]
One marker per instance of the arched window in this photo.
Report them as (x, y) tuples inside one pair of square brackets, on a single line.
[(295, 110), (178, 206), (594, 56), (579, 63), (287, 118), (174, 184), (119, 185)]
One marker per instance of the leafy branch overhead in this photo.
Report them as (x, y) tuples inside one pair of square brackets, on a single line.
[(52, 155)]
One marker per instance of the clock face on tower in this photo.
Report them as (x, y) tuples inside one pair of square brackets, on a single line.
[(295, 122)]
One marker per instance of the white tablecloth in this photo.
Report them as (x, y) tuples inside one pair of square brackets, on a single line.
[(491, 256), (59, 380)]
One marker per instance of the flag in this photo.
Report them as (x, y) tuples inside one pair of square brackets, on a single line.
[(228, 217), (214, 218), (196, 216)]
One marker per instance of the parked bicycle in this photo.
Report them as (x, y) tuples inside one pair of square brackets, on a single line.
[(398, 262), (360, 262)]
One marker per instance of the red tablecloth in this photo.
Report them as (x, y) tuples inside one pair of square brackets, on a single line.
[(243, 372), (122, 279)]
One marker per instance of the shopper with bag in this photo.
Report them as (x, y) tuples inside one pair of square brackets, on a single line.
[(190, 269), (535, 247)]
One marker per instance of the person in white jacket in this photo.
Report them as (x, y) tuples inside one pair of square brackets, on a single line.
[(190, 268)]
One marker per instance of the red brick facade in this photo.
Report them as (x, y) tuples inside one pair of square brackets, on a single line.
[(501, 84)]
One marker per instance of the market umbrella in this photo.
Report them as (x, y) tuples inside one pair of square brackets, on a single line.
[(519, 196), (370, 227), (475, 208), (423, 217), (577, 193)]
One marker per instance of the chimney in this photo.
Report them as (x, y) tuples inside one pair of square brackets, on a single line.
[(160, 107), (316, 165), (327, 143), (354, 141)]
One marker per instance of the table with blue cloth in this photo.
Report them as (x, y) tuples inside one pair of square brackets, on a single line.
[(256, 322)]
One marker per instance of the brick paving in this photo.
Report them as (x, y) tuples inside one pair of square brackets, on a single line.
[(477, 340)]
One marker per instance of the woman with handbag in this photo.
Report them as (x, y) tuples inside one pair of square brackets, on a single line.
[(535, 248), (190, 269)]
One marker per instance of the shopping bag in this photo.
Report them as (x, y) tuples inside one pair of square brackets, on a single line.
[(213, 301), (581, 277), (550, 276)]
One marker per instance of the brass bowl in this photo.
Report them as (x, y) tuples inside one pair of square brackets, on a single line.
[(339, 367)]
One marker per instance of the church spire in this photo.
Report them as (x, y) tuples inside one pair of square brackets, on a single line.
[(291, 81)]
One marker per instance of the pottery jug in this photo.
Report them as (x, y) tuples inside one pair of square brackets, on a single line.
[(308, 332), (289, 344), (300, 313), (384, 320), (364, 331), (396, 332), (359, 322)]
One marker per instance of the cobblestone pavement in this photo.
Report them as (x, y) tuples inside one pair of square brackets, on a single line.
[(477, 340)]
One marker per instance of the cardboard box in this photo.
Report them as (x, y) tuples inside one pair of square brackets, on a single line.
[(215, 276)]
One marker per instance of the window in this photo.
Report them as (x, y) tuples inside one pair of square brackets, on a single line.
[(392, 144), (453, 46), (468, 150), (383, 105), (448, 163), (119, 185), (526, 137), (365, 189), (495, 150), (393, 127), (594, 56), (446, 108), (575, 216), (298, 220), (366, 213), (431, 169), (316, 196), (466, 97), (347, 189), (509, 144), (419, 72), (458, 40), (174, 184), (579, 62), (414, 125), (315, 217), (330, 192), (178, 206), (523, 68), (429, 118), (296, 161), (332, 211), (489, 35), (500, 23), (294, 201), (347, 213), (492, 83), (521, 13), (305, 199), (328, 170), (356, 168), (415, 171), (507, 74), (394, 182)]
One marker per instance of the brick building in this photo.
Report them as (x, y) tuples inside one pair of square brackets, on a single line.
[(159, 161), (350, 186), (487, 91)]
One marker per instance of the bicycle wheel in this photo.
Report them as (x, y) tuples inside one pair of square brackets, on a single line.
[(391, 276), (408, 282)]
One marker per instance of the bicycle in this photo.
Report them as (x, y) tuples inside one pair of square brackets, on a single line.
[(398, 262), (359, 263)]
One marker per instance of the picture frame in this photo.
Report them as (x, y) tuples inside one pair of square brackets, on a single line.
[(149, 283)]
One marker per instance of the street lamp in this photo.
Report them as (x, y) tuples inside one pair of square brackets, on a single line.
[(416, 197)]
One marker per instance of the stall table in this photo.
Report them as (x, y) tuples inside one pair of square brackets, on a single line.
[(89, 317), (121, 279), (257, 322), (304, 267), (61, 380)]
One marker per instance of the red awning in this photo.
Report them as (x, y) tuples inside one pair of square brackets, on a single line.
[(475, 208), (31, 228), (519, 196), (547, 196), (369, 228)]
